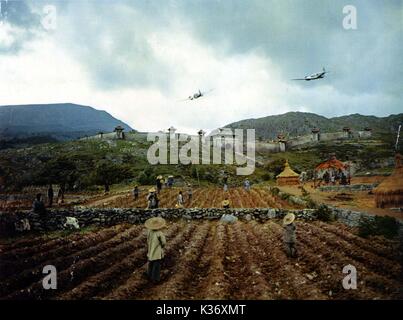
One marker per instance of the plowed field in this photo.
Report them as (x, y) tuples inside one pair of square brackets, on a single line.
[(204, 260), (202, 198)]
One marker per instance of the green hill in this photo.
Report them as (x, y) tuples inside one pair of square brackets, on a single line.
[(299, 123)]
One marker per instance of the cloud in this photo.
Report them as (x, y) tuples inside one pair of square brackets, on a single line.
[(19, 24), (137, 60)]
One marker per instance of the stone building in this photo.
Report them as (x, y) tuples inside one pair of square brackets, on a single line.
[(315, 134), (282, 142), (119, 132)]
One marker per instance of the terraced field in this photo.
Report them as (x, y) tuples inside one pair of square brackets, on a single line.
[(202, 198), (204, 260)]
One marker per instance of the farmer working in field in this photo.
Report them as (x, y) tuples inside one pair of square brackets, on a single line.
[(39, 207), (136, 192), (180, 200), (50, 196), (246, 184), (190, 193), (226, 203), (155, 242), (159, 184), (289, 235), (152, 199)]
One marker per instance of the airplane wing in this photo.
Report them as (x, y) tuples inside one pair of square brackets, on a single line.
[(298, 79)]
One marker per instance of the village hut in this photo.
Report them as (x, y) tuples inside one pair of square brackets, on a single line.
[(288, 177), (389, 193), (333, 167)]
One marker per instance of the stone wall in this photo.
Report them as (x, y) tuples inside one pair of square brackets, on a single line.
[(348, 188), (108, 217)]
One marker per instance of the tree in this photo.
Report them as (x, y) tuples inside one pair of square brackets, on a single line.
[(61, 170), (106, 173)]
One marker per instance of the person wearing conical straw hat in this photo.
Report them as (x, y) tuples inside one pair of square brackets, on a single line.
[(152, 199), (226, 203), (290, 235), (156, 242)]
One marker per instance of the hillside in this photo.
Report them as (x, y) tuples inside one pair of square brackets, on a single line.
[(57, 121), (300, 123)]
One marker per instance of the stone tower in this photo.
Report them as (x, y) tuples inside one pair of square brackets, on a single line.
[(282, 142), (315, 134), (119, 132)]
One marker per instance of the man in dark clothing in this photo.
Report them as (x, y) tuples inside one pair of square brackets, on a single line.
[(152, 199), (136, 193), (158, 185), (50, 196), (38, 206)]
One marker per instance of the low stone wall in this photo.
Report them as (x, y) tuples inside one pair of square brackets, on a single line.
[(107, 217), (352, 187)]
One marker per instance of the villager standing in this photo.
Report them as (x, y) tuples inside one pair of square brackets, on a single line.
[(156, 242), (50, 196), (136, 192), (152, 199), (226, 203), (38, 205), (246, 184), (290, 235), (225, 183), (190, 193), (180, 199), (159, 184), (60, 194)]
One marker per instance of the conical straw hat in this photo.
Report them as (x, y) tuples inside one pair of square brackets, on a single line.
[(155, 223), (225, 203), (152, 190), (289, 218)]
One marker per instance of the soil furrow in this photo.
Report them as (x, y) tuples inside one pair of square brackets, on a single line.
[(137, 282)]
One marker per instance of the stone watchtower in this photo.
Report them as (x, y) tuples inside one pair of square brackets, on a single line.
[(119, 132), (315, 134), (347, 132), (282, 142)]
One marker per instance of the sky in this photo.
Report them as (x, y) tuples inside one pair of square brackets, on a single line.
[(139, 60)]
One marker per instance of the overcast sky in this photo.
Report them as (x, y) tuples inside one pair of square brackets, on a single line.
[(139, 59)]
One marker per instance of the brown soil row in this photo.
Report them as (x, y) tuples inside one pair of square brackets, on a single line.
[(67, 265), (17, 264), (212, 260), (105, 281), (137, 283)]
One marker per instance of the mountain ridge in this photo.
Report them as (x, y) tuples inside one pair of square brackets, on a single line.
[(62, 121), (295, 123)]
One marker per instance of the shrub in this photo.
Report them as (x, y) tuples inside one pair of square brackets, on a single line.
[(324, 213), (274, 191), (304, 192), (310, 204), (382, 226), (284, 195)]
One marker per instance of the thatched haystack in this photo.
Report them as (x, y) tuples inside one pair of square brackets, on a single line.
[(288, 177), (389, 193)]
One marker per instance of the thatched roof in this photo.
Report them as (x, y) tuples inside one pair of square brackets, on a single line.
[(287, 172), (394, 183), (331, 163)]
